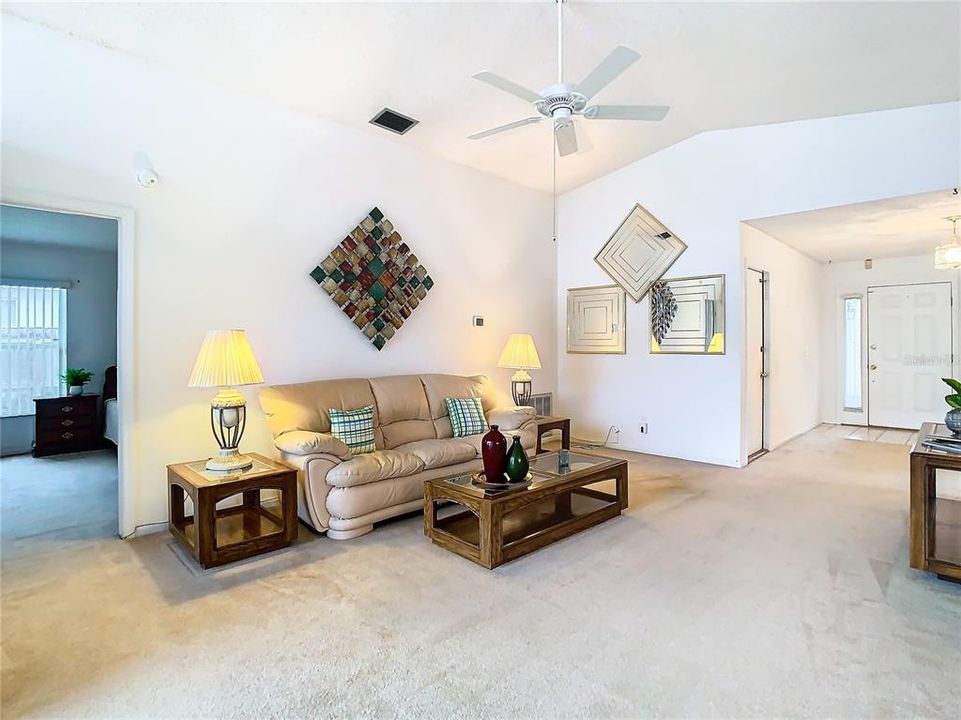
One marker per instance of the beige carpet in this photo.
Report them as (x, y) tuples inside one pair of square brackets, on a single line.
[(778, 590)]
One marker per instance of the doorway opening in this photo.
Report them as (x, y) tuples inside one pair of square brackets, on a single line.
[(866, 322), (79, 260), (58, 390)]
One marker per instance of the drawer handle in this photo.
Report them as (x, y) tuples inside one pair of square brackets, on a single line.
[(67, 408), (66, 423), (67, 435)]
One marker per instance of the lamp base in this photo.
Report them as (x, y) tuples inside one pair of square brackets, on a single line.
[(229, 459), (521, 387)]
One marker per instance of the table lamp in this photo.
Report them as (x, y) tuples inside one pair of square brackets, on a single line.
[(521, 355), (226, 359)]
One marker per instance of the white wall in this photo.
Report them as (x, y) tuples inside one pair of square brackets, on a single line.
[(91, 314), (701, 189), (251, 197), (793, 334), (850, 278)]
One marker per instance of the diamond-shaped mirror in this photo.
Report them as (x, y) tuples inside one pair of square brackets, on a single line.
[(639, 252)]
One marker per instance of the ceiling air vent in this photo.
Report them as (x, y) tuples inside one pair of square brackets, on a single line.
[(393, 121)]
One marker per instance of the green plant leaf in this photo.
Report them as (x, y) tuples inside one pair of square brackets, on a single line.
[(955, 384), (76, 376), (953, 400)]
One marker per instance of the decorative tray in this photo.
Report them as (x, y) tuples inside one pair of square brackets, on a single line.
[(477, 480)]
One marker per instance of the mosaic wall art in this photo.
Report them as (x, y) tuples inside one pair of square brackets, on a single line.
[(373, 276)]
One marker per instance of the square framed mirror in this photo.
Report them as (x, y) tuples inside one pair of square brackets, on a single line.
[(595, 320), (687, 316)]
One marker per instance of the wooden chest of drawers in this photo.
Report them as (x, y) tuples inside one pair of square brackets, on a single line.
[(67, 424)]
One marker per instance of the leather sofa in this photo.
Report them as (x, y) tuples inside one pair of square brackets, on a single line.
[(344, 494)]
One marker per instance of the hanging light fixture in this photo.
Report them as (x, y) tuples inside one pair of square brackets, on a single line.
[(948, 257)]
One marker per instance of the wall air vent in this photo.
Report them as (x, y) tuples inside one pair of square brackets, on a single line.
[(393, 121), (543, 403)]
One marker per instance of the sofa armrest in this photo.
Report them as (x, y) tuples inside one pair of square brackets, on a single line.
[(510, 417), (303, 442)]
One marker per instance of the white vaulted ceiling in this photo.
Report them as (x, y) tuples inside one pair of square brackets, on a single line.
[(718, 65)]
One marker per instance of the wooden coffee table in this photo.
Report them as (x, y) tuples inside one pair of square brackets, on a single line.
[(496, 527)]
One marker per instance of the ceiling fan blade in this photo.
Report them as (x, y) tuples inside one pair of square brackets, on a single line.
[(566, 139), (620, 59), (503, 128), (627, 112), (507, 86)]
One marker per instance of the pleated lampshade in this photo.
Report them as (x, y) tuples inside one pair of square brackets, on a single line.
[(520, 353), (225, 359)]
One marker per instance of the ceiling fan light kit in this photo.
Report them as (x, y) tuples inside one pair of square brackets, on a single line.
[(563, 103)]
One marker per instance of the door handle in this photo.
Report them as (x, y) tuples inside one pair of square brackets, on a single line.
[(872, 366)]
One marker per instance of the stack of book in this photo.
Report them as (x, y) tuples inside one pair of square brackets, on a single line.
[(942, 439)]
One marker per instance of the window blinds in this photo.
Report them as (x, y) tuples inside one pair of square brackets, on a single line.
[(33, 345)]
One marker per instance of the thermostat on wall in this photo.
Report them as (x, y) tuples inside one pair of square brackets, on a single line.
[(478, 321)]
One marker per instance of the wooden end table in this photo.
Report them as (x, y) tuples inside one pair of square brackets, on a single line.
[(219, 536), (546, 423), (496, 527), (935, 521)]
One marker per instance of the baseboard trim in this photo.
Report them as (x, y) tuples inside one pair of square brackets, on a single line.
[(704, 460), (775, 446)]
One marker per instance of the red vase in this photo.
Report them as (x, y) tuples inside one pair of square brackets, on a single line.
[(494, 452)]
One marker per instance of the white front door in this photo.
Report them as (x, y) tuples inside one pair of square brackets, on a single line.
[(754, 331), (909, 351)]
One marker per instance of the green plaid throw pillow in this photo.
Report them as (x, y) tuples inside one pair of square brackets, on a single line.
[(466, 416), (355, 428)]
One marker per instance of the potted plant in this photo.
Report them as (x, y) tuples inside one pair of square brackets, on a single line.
[(76, 379), (953, 418)]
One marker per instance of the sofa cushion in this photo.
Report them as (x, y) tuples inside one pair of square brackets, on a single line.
[(441, 387), (374, 466), (304, 406), (400, 397), (353, 502), (466, 416), (405, 431), (354, 427), (440, 453)]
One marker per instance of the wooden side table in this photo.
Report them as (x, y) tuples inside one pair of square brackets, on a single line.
[(546, 423), (935, 521), (218, 536)]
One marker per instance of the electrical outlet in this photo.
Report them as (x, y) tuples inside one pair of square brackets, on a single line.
[(616, 434), (643, 428)]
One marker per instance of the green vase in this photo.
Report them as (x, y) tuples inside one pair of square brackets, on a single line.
[(517, 463)]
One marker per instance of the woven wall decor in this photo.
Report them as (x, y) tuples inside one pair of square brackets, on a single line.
[(373, 276)]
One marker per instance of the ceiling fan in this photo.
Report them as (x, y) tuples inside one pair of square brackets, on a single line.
[(562, 102)]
